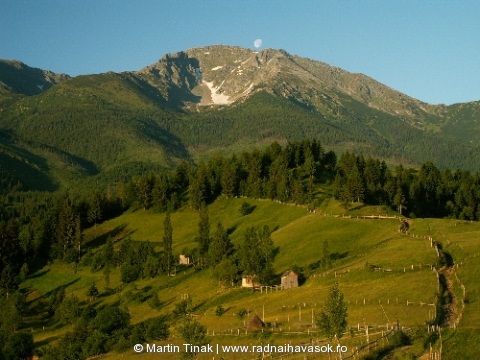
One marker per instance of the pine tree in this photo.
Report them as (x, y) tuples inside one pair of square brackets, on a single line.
[(68, 232), (203, 239), (220, 246), (95, 209), (167, 243)]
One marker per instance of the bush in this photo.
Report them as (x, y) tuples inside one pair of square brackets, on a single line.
[(111, 318), (19, 345), (130, 272), (157, 329), (219, 310), (183, 308), (242, 313)]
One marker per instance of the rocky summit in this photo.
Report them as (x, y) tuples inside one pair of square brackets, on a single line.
[(222, 75)]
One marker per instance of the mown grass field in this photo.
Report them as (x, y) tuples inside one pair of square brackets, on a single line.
[(403, 289)]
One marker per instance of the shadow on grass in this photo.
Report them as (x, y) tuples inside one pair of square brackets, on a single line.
[(103, 238), (38, 274), (51, 292), (232, 229)]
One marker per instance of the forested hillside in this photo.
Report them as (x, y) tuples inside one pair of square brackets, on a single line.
[(115, 125)]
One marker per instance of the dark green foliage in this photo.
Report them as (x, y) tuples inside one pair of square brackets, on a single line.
[(18, 346), (203, 238), (255, 254), (242, 313), (136, 260), (11, 316), (130, 272), (92, 292), (227, 271), (95, 211), (219, 310), (220, 246), (167, 244), (156, 329), (183, 308), (55, 300), (95, 344), (69, 310), (11, 256), (110, 319), (68, 233)]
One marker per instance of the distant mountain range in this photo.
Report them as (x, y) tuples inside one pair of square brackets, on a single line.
[(56, 129)]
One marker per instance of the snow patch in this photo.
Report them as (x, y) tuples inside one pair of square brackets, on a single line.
[(217, 99), (217, 68)]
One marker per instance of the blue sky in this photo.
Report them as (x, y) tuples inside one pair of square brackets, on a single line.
[(428, 49)]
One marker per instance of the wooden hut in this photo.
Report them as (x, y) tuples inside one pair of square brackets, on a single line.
[(289, 279), (255, 324)]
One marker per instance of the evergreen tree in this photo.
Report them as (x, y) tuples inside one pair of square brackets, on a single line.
[(220, 246), (68, 232), (355, 187), (167, 243), (95, 209), (203, 239)]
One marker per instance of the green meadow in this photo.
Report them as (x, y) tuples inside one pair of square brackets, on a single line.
[(387, 278)]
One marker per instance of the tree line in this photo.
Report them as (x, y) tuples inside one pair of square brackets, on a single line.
[(37, 227)]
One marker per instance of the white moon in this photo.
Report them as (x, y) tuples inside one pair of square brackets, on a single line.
[(257, 43)]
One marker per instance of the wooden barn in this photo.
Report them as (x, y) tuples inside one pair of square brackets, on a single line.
[(248, 281), (289, 279)]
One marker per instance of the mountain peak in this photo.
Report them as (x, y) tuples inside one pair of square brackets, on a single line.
[(223, 75)]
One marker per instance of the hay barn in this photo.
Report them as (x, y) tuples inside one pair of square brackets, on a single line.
[(289, 279)]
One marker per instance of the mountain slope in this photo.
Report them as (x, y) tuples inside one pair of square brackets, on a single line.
[(18, 78), (218, 98)]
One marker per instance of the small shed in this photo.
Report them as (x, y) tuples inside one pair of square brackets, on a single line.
[(248, 281), (289, 279), (184, 259), (255, 324)]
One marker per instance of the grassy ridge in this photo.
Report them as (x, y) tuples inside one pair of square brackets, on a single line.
[(460, 239)]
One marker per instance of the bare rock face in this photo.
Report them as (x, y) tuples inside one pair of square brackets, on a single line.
[(224, 75)]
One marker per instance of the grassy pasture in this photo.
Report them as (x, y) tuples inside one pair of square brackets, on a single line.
[(373, 297)]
